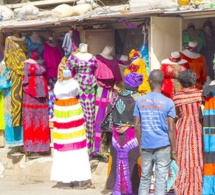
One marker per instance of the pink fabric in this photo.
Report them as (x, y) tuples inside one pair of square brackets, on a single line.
[(71, 146), (107, 72), (52, 57)]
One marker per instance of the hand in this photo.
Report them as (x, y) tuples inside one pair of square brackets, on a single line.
[(122, 128), (173, 156)]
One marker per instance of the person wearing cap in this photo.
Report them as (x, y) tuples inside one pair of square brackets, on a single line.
[(154, 116), (123, 177), (171, 67), (70, 167)]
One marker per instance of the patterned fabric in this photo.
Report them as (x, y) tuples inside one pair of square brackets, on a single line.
[(103, 98), (170, 84), (124, 164), (13, 135), (14, 59), (32, 46), (139, 66), (35, 108), (209, 140), (189, 142), (84, 74), (198, 66), (51, 96)]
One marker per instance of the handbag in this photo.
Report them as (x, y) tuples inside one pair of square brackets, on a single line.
[(107, 124)]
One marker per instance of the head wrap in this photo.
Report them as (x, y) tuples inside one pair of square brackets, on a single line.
[(133, 79), (134, 54), (35, 55)]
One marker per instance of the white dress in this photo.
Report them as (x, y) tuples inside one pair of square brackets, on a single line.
[(70, 158)]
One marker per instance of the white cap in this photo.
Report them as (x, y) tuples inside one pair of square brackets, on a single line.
[(66, 73), (175, 54)]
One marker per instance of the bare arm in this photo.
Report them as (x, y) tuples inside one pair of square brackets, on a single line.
[(171, 132), (137, 129)]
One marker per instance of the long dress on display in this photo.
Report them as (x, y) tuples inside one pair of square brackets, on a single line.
[(84, 73), (124, 159), (189, 144), (14, 59), (197, 65), (13, 135), (52, 56), (107, 74), (70, 157), (171, 70), (35, 107), (209, 140)]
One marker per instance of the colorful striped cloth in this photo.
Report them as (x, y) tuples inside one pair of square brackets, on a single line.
[(71, 160)]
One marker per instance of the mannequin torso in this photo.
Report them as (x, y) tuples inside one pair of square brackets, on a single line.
[(83, 53), (106, 53)]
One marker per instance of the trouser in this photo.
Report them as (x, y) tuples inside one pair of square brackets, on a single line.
[(161, 159)]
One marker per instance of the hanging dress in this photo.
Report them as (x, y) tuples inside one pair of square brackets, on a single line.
[(189, 143), (14, 59), (13, 135), (209, 140), (35, 108), (70, 157), (83, 72), (107, 74), (52, 56)]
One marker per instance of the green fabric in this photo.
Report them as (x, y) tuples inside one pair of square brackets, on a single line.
[(67, 114), (2, 126), (187, 37)]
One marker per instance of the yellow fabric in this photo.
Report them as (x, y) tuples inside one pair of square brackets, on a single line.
[(66, 136), (14, 59), (144, 87), (2, 126)]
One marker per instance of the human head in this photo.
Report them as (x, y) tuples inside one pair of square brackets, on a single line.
[(187, 78), (132, 81), (156, 78)]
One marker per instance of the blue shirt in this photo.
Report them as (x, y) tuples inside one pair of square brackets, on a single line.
[(153, 109)]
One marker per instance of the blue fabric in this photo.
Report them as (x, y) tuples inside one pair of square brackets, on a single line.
[(208, 185), (173, 174), (5, 81), (144, 50), (153, 109), (209, 140), (209, 112), (31, 46)]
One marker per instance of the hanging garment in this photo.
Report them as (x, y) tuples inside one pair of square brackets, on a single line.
[(107, 74), (13, 135), (35, 108), (171, 71), (84, 73), (14, 59), (52, 56), (70, 157), (2, 125), (197, 65), (209, 140), (67, 44), (33, 46), (189, 142)]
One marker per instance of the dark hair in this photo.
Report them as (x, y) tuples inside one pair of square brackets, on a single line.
[(187, 78), (156, 76)]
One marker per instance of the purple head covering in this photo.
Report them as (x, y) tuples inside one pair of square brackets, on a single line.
[(133, 79)]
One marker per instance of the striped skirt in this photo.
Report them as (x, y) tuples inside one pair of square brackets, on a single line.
[(70, 158)]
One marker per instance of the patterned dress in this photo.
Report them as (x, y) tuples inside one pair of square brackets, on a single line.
[(209, 140), (35, 108), (124, 161), (189, 143), (14, 59), (107, 74), (70, 157), (170, 84), (13, 135), (84, 73)]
